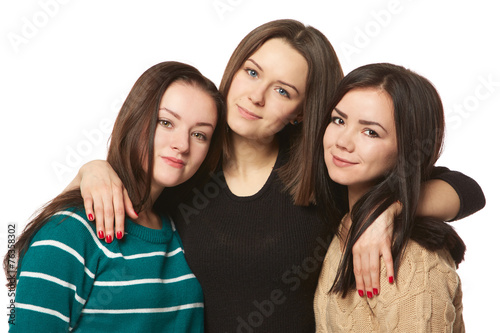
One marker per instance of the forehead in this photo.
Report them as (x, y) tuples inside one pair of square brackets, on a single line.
[(190, 102), (367, 101)]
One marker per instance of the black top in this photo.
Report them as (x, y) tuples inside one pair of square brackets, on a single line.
[(258, 258)]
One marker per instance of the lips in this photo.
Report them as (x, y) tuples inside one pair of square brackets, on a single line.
[(247, 114), (174, 162), (342, 163)]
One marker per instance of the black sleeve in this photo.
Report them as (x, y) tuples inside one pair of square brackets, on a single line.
[(470, 193)]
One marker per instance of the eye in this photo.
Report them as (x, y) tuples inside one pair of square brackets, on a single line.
[(165, 123), (200, 136), (371, 133), (338, 120), (282, 92), (252, 72)]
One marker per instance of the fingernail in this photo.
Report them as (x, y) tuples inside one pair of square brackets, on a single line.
[(91, 217), (369, 294), (391, 279), (100, 234), (136, 213), (119, 235), (375, 291), (109, 239), (360, 292)]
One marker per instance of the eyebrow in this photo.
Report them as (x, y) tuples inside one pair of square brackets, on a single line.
[(362, 122), (282, 82), (176, 115)]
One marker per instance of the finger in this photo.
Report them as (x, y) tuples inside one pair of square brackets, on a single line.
[(99, 217), (360, 287), (119, 216), (365, 272), (88, 205), (389, 264), (109, 217), (375, 272)]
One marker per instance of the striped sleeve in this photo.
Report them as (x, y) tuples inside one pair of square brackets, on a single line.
[(56, 275)]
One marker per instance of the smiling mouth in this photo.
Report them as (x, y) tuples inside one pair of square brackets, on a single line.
[(174, 162), (247, 114), (341, 163)]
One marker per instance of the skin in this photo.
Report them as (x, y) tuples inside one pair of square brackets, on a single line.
[(254, 153), (186, 121), (262, 99), (360, 145)]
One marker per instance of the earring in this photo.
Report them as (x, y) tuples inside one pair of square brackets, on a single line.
[(295, 122)]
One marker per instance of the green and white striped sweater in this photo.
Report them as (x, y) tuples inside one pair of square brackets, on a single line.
[(69, 280)]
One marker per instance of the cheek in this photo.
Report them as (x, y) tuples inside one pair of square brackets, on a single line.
[(328, 137), (383, 158), (199, 153), (235, 87)]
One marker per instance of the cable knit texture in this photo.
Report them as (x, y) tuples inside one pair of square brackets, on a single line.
[(426, 297)]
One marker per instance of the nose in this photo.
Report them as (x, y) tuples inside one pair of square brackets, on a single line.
[(257, 95), (180, 143), (345, 141)]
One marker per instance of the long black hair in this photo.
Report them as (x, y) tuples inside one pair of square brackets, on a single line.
[(419, 120)]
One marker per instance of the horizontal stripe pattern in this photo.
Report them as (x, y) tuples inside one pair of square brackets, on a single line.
[(111, 254), (43, 310), (150, 310), (143, 281), (70, 279), (54, 280), (67, 249)]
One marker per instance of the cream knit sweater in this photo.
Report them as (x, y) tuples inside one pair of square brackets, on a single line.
[(426, 297)]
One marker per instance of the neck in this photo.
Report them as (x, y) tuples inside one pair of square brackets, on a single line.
[(248, 155), (354, 193), (147, 218)]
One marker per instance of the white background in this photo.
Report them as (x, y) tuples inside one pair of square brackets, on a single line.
[(67, 66)]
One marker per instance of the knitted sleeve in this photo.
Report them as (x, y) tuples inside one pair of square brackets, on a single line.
[(55, 276), (470, 193), (426, 296)]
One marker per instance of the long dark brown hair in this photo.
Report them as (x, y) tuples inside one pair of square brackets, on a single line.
[(324, 74), (132, 142), (419, 120)]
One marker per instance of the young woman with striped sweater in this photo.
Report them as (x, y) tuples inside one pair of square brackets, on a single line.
[(68, 279)]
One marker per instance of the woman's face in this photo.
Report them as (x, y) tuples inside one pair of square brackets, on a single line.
[(186, 121), (360, 143), (267, 91)]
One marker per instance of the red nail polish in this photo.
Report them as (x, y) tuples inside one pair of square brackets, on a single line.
[(91, 217), (100, 234), (391, 279), (119, 235), (369, 294), (375, 291), (109, 239), (360, 292)]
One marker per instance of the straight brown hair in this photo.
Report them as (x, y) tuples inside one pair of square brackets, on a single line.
[(131, 143), (324, 74)]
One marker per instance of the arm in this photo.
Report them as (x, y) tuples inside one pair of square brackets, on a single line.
[(52, 283), (105, 198), (449, 195)]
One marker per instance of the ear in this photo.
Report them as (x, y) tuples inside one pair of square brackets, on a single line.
[(297, 119)]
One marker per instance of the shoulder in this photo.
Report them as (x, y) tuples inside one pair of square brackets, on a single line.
[(71, 222), (423, 270)]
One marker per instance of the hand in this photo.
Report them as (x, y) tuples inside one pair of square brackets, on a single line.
[(105, 199), (374, 242)]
